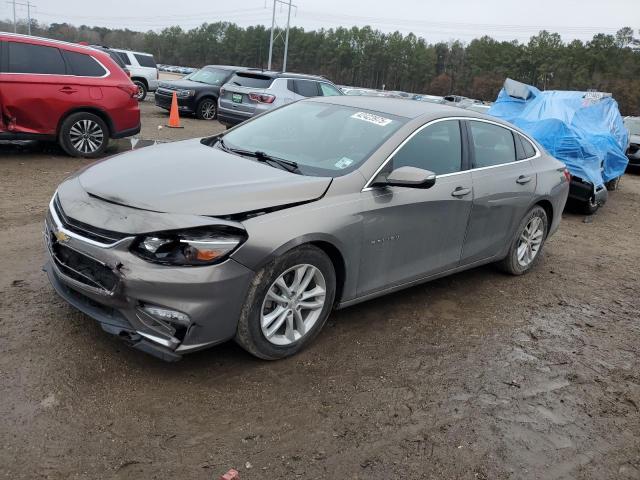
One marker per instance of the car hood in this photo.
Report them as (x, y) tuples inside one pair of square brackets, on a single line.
[(185, 84), (189, 177)]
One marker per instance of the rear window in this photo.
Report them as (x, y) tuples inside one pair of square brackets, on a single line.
[(27, 58), (145, 60), (83, 65), (251, 80), (529, 151)]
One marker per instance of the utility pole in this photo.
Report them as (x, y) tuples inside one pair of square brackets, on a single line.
[(286, 40), (29, 16), (273, 24), (274, 36), (15, 24)]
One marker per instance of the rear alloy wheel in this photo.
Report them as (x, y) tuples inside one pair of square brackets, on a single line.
[(288, 302), (526, 247), (207, 109), (84, 134), (142, 90)]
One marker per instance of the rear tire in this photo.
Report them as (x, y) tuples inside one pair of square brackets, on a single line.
[(532, 229), (84, 134), (207, 109), (269, 335), (142, 90)]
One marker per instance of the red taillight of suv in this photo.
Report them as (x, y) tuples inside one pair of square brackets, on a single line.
[(567, 175), (262, 97), (129, 88)]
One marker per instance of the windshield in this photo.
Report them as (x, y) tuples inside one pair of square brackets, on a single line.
[(633, 124), (323, 139), (208, 75)]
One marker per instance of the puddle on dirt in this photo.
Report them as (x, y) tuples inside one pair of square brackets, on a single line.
[(30, 147)]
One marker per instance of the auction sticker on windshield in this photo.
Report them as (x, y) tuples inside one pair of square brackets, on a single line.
[(371, 118)]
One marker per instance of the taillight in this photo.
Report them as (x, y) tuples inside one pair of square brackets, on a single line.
[(129, 88), (567, 175), (262, 97)]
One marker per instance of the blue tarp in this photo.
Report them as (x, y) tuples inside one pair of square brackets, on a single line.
[(584, 132)]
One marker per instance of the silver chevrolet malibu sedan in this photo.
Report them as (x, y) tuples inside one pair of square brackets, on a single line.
[(259, 233)]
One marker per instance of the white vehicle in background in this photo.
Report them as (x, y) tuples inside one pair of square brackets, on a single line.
[(143, 68)]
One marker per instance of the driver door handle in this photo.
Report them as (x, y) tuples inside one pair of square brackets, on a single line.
[(461, 192), (522, 179)]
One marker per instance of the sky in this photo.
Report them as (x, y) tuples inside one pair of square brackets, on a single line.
[(434, 20)]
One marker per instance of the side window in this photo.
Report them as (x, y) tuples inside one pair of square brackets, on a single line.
[(27, 58), (529, 150), (493, 145), (328, 90), (83, 65), (125, 58), (306, 88), (437, 147), (145, 60)]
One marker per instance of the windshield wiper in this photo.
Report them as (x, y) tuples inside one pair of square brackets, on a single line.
[(288, 165)]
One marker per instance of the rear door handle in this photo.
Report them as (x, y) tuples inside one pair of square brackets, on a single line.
[(461, 192), (522, 179), (68, 90)]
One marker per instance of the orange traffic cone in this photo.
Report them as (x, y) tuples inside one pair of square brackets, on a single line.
[(174, 118)]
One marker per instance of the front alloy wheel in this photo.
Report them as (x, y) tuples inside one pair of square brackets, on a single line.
[(293, 304), (288, 302)]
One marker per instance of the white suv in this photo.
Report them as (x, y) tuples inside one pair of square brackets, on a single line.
[(143, 68), (251, 92)]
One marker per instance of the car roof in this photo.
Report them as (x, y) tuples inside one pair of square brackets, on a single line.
[(53, 43), (233, 67), (401, 107), (275, 74), (131, 51)]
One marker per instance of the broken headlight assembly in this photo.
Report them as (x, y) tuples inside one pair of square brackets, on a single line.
[(192, 247)]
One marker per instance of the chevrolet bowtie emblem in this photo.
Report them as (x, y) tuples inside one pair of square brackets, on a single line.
[(61, 236)]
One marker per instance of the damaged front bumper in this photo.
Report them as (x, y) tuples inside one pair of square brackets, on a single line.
[(116, 288)]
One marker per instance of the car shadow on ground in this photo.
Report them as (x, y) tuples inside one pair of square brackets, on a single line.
[(21, 148)]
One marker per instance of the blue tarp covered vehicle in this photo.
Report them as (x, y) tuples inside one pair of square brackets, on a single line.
[(582, 129)]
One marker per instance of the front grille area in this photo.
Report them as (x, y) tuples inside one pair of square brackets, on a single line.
[(87, 231), (165, 91), (80, 267)]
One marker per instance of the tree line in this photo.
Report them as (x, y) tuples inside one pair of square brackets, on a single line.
[(367, 57)]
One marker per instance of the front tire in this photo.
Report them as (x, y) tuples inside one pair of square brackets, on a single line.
[(84, 134), (207, 109), (288, 303), (526, 248)]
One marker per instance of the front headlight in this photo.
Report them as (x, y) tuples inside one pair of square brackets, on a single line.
[(186, 93), (196, 246)]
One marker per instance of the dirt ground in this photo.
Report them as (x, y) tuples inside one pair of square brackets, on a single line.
[(475, 376)]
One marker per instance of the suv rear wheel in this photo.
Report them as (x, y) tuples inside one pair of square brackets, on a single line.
[(142, 90), (84, 134), (207, 109)]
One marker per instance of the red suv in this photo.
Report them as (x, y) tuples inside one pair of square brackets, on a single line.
[(60, 91)]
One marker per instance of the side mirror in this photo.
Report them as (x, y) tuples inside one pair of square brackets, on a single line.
[(410, 177)]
